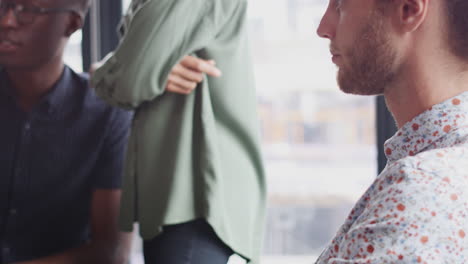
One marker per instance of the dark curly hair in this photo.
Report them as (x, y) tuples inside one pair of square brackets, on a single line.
[(457, 11), (457, 23)]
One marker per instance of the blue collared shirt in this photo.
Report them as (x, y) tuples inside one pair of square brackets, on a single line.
[(51, 160)]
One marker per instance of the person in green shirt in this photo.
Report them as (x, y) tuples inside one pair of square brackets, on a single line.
[(194, 177)]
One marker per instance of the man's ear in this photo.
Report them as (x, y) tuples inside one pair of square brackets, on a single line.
[(412, 13), (75, 23)]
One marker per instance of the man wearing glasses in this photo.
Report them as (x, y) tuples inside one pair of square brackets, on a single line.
[(61, 147)]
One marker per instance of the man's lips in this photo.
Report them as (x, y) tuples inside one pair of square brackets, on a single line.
[(336, 58), (335, 54), (7, 45)]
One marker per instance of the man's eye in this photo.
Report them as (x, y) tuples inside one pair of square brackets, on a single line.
[(19, 7)]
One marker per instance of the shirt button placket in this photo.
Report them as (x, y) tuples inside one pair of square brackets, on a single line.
[(5, 253), (13, 212), (27, 127), (23, 148)]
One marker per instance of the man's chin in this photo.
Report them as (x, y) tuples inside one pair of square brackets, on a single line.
[(346, 85), (360, 92), (359, 89), (6, 62), (15, 65)]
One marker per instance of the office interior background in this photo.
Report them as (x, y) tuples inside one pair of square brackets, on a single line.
[(322, 148)]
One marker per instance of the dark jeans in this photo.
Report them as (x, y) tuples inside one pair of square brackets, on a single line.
[(193, 242)]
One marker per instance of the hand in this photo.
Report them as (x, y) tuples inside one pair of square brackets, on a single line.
[(185, 76), (94, 67)]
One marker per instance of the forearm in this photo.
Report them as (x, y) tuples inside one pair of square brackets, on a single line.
[(137, 72), (115, 251)]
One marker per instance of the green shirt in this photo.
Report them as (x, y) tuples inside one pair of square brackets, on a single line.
[(194, 156)]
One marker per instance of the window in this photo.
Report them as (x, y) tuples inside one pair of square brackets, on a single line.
[(318, 143), (125, 4), (72, 56)]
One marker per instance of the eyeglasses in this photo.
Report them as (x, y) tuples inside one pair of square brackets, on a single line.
[(26, 14)]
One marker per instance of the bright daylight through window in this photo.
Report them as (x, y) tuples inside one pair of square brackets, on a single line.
[(319, 144), (73, 56)]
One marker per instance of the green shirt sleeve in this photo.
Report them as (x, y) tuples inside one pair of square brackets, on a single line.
[(159, 34)]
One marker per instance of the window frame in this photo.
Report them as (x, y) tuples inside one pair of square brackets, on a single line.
[(100, 30)]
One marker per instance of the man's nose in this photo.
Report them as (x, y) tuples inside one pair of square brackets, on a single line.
[(8, 18), (326, 28)]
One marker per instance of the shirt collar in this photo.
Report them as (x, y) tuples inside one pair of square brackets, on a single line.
[(54, 99), (57, 96), (429, 130)]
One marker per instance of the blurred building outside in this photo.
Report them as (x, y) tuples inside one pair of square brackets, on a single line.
[(318, 143)]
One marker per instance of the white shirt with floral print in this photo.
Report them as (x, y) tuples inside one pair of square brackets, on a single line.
[(416, 211)]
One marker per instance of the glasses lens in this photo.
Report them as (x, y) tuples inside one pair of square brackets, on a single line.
[(23, 14)]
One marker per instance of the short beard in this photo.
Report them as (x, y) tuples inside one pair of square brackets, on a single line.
[(371, 68)]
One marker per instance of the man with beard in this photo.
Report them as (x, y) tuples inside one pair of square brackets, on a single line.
[(415, 53), (62, 148)]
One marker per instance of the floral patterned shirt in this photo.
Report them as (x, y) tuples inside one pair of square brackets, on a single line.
[(416, 211)]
